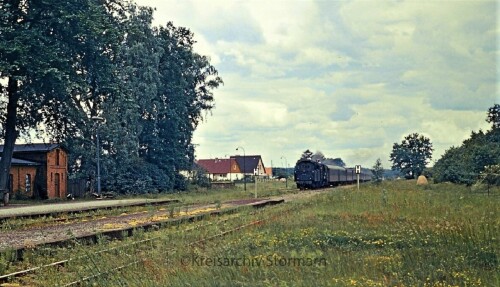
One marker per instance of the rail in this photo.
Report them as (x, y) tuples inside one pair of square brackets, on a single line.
[(11, 276)]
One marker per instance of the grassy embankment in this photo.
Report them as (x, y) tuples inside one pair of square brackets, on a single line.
[(395, 234)]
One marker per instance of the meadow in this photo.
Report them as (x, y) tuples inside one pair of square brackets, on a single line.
[(392, 234)]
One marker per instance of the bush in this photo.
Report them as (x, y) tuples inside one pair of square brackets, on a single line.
[(21, 195), (464, 164)]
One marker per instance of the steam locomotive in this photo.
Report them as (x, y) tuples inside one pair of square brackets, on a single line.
[(311, 174)]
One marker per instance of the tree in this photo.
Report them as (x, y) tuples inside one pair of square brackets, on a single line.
[(490, 176), (163, 91), (185, 92), (377, 171), (412, 155), (494, 116), (65, 62), (39, 61), (465, 163), (132, 88)]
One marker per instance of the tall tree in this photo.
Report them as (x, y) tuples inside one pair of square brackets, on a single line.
[(465, 163), (412, 155), (138, 60), (66, 62), (185, 92), (123, 103), (377, 171), (494, 116), (39, 61), (96, 82)]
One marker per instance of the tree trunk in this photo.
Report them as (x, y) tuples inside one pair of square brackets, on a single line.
[(10, 138)]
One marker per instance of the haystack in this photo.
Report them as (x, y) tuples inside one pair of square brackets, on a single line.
[(422, 180)]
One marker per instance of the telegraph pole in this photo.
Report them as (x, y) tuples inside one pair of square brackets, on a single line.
[(244, 168), (99, 121)]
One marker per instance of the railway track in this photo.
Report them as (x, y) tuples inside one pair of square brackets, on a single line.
[(115, 227), (124, 233), (142, 246), (61, 263)]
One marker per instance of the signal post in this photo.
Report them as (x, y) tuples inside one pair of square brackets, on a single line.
[(358, 171), (256, 172)]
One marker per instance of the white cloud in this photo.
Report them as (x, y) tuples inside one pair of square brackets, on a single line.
[(347, 78)]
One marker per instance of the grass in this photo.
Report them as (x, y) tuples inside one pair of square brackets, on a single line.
[(393, 234), (412, 238)]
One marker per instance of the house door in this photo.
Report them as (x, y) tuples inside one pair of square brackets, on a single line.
[(57, 185)]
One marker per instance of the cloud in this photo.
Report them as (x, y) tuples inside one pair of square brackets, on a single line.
[(348, 78)]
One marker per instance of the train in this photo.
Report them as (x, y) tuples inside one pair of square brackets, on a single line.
[(309, 174)]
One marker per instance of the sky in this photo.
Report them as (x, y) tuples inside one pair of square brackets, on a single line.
[(347, 78)]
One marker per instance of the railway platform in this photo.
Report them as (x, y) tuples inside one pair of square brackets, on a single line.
[(74, 206)]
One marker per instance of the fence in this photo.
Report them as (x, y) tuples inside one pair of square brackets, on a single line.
[(78, 187)]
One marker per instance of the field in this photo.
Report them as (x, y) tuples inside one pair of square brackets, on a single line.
[(393, 234)]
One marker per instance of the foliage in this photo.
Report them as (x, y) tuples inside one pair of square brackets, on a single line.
[(491, 175), (137, 178), (180, 182), (186, 81), (412, 155), (54, 56), (377, 172), (494, 116), (281, 172), (68, 64), (200, 177), (464, 164)]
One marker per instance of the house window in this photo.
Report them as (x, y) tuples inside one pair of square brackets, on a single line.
[(28, 183), (57, 156)]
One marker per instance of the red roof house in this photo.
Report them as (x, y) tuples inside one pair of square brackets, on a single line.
[(219, 169)]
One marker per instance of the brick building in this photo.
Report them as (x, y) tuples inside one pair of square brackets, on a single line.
[(39, 170)]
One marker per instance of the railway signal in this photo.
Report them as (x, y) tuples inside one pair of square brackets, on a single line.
[(358, 171)]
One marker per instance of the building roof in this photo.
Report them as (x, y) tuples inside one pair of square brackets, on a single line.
[(216, 166), (34, 147), (16, 161), (247, 163)]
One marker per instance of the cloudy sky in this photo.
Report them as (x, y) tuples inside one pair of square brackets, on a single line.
[(347, 78)]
